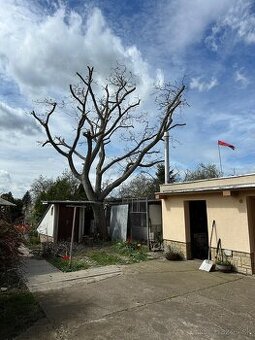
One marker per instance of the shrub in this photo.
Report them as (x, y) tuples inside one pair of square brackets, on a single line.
[(34, 240), (133, 249), (56, 249), (173, 255), (128, 247), (10, 240)]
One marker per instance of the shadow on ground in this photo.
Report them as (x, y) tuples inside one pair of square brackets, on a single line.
[(153, 300)]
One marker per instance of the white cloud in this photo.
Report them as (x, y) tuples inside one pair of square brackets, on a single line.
[(198, 84), (5, 181), (239, 19), (184, 22), (160, 77), (12, 119), (241, 78), (42, 52)]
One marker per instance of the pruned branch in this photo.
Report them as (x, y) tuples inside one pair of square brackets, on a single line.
[(100, 120)]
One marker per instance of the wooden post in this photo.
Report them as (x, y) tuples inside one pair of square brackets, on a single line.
[(148, 223), (72, 237)]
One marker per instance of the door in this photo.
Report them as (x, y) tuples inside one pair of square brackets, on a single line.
[(198, 229), (65, 222)]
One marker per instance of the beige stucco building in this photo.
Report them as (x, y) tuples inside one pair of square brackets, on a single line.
[(188, 211)]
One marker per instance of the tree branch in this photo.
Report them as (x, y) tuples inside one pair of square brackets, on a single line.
[(47, 130)]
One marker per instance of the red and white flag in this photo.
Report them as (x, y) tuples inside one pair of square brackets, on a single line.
[(222, 143)]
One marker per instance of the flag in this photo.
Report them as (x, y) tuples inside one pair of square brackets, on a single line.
[(221, 143)]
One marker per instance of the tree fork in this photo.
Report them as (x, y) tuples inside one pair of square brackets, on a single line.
[(98, 120)]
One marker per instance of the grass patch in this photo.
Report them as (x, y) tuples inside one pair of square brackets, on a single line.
[(135, 252), (18, 308), (102, 258), (63, 265), (85, 257)]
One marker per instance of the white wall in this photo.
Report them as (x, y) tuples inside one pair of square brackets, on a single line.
[(46, 227)]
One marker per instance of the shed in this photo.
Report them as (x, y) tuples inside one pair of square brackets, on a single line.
[(138, 219), (142, 220), (5, 203), (56, 224), (4, 207), (189, 208)]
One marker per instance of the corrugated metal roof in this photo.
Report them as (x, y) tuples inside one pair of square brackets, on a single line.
[(3, 202)]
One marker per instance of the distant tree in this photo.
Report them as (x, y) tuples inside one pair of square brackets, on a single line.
[(40, 185), (26, 199), (203, 171), (104, 115), (65, 187), (13, 214), (139, 187), (145, 185), (80, 193), (27, 205), (160, 174)]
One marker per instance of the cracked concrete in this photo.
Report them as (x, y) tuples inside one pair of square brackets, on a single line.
[(151, 300)]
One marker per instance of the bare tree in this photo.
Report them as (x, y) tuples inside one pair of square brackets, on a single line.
[(101, 120), (203, 171), (141, 186)]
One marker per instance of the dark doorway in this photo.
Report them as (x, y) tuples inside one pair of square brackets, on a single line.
[(251, 221), (65, 222), (89, 216), (198, 229)]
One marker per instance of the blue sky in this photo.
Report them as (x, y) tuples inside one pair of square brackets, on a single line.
[(208, 44)]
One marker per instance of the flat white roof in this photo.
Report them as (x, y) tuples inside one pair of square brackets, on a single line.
[(243, 182)]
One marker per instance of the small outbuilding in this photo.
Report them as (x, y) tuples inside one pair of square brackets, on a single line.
[(188, 212), (137, 219), (5, 203), (56, 224), (4, 207)]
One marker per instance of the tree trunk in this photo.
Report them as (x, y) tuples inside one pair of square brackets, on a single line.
[(100, 220)]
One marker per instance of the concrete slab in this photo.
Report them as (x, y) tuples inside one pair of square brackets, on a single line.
[(40, 275), (153, 300)]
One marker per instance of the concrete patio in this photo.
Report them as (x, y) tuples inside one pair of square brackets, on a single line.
[(157, 299)]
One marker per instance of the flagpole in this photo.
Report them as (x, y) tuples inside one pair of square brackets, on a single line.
[(221, 172)]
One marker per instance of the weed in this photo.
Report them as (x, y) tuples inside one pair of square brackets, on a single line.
[(102, 258), (119, 253), (134, 251), (63, 264)]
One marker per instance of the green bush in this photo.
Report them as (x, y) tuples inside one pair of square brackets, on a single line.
[(10, 240), (57, 249), (33, 232), (173, 255), (34, 240), (132, 249)]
